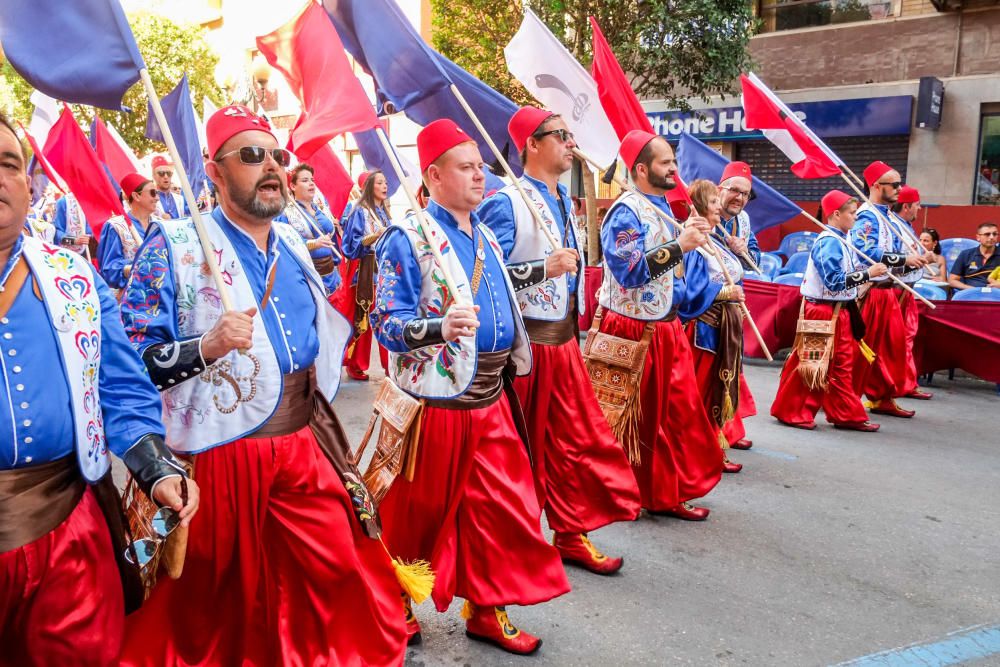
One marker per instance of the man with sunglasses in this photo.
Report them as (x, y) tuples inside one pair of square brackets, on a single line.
[(735, 192), (72, 390), (972, 267), (121, 236), (582, 474), (471, 508), (879, 234), (170, 205), (282, 567)]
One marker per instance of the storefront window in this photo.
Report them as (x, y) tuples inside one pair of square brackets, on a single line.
[(988, 179), (791, 14)]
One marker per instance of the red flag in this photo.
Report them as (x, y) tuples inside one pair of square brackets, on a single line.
[(620, 102), (111, 153), (308, 52), (811, 158), (72, 156), (53, 177), (332, 180)]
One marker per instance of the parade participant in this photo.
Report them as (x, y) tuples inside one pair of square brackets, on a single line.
[(313, 225), (714, 324), (904, 213), (973, 266), (471, 508), (121, 238), (367, 222), (582, 474), (61, 594), (878, 237), (36, 226), (283, 546), (72, 227), (170, 205), (735, 190), (642, 290), (818, 372)]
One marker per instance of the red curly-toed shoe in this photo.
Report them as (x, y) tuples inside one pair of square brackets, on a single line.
[(577, 549), (742, 443), (492, 626), (920, 395), (685, 511), (891, 408), (731, 466), (356, 374), (864, 427), (413, 636)]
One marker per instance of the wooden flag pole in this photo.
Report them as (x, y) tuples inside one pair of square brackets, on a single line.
[(712, 249), (419, 212), (506, 167), (192, 202), (744, 255), (868, 259)]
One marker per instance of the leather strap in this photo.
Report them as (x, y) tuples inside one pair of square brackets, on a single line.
[(477, 268), (484, 390), (12, 287), (270, 285)]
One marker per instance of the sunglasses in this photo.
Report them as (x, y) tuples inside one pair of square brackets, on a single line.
[(164, 173), (564, 135), (894, 185), (257, 155), (164, 521)]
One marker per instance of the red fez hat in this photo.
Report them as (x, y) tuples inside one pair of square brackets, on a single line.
[(736, 170), (362, 178), (908, 195), (437, 139), (632, 145), (523, 124), (160, 161), (875, 171), (833, 200), (229, 121), (132, 182)]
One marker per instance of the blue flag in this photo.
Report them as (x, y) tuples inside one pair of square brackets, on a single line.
[(414, 78), (79, 51), (768, 208), (375, 158), (183, 126)]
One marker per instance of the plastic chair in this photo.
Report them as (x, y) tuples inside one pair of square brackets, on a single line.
[(797, 242), (796, 263), (977, 294), (770, 263), (950, 248), (753, 275), (790, 279), (932, 292)]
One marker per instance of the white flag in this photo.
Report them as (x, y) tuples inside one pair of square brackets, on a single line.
[(543, 65), (44, 117), (129, 153)]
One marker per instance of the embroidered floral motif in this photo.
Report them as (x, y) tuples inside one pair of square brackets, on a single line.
[(361, 498), (141, 305), (544, 296), (627, 247)]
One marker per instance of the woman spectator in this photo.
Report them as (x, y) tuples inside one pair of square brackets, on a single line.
[(936, 269)]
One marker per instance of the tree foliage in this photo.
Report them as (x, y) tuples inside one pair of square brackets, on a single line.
[(169, 50), (671, 49)]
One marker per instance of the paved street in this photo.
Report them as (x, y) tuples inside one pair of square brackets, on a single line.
[(827, 547)]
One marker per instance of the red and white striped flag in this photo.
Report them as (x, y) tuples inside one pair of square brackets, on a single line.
[(811, 158)]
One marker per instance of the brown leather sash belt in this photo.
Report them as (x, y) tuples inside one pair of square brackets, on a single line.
[(485, 388), (324, 265), (294, 410), (35, 500), (885, 284), (542, 332)]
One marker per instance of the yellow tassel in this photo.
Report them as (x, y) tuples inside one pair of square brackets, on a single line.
[(467, 610), (866, 351), (416, 578), (728, 410), (723, 441)]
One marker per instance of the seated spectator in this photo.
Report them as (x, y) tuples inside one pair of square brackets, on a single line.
[(973, 267), (936, 267)]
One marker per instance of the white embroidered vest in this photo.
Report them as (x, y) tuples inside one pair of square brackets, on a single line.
[(653, 300), (742, 227), (76, 221), (910, 244), (238, 393), (301, 223), (445, 370), (70, 294), (885, 236), (548, 299), (178, 203), (729, 259), (812, 282)]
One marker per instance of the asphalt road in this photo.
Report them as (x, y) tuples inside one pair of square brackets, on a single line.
[(828, 546)]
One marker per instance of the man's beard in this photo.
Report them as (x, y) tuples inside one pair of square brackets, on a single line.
[(250, 204), (661, 182)]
